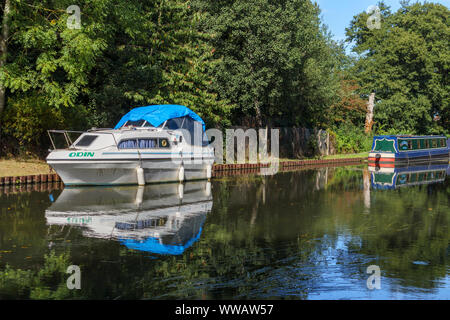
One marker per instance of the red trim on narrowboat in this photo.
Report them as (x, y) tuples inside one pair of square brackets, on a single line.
[(382, 165), (372, 159)]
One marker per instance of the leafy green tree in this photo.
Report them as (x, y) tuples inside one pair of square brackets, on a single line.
[(47, 68), (277, 60), (406, 63), (157, 56), (124, 55)]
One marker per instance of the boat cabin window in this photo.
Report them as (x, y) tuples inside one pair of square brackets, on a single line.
[(422, 144), (144, 143), (127, 144), (405, 144), (86, 141), (147, 143), (435, 143), (138, 123), (416, 144), (163, 143)]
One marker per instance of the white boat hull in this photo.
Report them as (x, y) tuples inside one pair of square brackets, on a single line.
[(125, 172)]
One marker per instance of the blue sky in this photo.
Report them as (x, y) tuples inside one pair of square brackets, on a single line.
[(337, 14)]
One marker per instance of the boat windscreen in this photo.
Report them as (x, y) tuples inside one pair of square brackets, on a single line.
[(138, 123), (86, 141), (177, 123), (191, 126)]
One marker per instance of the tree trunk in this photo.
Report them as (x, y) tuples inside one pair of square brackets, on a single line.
[(369, 114), (258, 114), (4, 49)]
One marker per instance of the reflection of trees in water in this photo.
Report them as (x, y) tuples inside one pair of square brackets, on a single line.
[(46, 282), (267, 237), (22, 226), (403, 226), (409, 225)]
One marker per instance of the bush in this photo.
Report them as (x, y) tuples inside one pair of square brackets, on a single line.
[(351, 139), (26, 121)]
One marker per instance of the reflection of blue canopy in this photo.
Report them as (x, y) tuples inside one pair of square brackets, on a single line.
[(156, 115), (153, 245)]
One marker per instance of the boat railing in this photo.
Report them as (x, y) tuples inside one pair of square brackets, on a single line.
[(69, 141)]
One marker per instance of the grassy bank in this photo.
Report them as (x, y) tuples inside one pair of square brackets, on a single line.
[(19, 167), (335, 156), (348, 156)]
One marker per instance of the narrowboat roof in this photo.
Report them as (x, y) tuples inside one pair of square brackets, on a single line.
[(410, 136)]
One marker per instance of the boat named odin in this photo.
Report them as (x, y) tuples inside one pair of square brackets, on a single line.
[(159, 143), (390, 151)]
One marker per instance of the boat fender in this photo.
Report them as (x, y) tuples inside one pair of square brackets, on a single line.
[(140, 176), (181, 174), (377, 157), (139, 196), (208, 172), (180, 191), (208, 189)]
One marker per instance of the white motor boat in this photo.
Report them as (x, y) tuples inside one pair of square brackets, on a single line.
[(160, 143)]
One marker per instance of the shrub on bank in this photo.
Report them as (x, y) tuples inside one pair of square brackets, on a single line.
[(351, 139)]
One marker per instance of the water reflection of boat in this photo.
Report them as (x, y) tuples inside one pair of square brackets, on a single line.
[(163, 219), (400, 176)]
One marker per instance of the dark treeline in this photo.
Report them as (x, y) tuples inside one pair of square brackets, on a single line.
[(251, 63)]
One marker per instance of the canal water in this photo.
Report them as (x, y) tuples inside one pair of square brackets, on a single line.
[(311, 234)]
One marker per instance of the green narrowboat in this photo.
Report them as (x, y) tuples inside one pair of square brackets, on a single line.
[(390, 150)]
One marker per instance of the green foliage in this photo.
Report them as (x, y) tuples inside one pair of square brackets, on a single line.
[(233, 62), (349, 107), (125, 55), (45, 56), (47, 283), (156, 55), (406, 63), (351, 139), (277, 61), (28, 117)]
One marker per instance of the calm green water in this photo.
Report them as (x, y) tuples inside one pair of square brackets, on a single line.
[(308, 234)]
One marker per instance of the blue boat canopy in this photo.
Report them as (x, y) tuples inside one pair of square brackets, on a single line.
[(154, 245), (158, 114)]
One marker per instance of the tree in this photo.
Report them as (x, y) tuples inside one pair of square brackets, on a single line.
[(157, 56), (3, 50), (47, 69), (277, 60), (124, 55), (349, 107), (406, 62)]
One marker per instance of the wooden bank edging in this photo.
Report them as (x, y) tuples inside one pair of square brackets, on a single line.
[(248, 168), (217, 168), (30, 179)]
